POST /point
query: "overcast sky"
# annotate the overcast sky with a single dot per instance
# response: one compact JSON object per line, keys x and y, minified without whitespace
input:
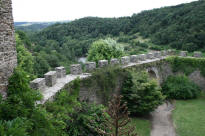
{"x":58,"y":10}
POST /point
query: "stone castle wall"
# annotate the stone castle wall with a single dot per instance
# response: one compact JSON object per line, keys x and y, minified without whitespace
{"x":8,"y":56}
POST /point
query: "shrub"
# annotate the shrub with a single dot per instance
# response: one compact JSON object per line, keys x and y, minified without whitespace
{"x":180,"y":87}
{"x":74,"y":118}
{"x":16,"y":127}
{"x":21,"y":103}
{"x":21,"y":98}
{"x":141,"y":94}
{"x":105,"y":49}
{"x":84,"y":120}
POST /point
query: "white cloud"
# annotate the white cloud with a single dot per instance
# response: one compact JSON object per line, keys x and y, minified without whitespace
{"x":54,"y":10}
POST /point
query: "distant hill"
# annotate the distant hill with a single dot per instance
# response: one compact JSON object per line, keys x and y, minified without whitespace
{"x":180,"y":27}
{"x":34,"y":26}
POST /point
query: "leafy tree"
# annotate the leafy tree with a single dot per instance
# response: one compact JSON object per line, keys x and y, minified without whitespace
{"x":104,"y":49}
{"x":141,"y":93}
{"x":180,"y":87}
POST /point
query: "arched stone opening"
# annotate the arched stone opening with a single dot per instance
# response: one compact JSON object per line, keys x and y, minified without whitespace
{"x":153,"y":74}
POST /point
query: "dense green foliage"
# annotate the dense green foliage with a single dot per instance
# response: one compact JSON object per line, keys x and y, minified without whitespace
{"x":187,"y":65}
{"x":24,"y":57}
{"x":20,"y":108}
{"x":181,"y":27}
{"x":180,"y":87}
{"x":141,"y":93}
{"x":105,"y":49}
{"x":16,"y":127}
{"x":75,"y":118}
{"x":37,"y":60}
{"x":65,"y":116}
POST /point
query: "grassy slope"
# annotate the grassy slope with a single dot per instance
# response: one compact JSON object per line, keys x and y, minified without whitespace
{"x":143,"y":126}
{"x":189,"y":117}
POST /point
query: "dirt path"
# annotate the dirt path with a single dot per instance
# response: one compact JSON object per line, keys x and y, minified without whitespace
{"x":162,"y":124}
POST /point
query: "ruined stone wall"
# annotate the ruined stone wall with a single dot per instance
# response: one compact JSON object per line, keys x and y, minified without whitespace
{"x":90,"y":90}
{"x":8,"y":56}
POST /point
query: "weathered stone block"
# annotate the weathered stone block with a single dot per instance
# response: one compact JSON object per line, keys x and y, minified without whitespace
{"x":89,"y":66}
{"x":61,"y":72}
{"x":125,"y":60}
{"x":150,"y":56}
{"x":164,"y":53}
{"x":134,"y":58}
{"x":114,"y":62}
{"x":142,"y":57}
{"x":51,"y":78}
{"x":171,"y":52}
{"x":38,"y":84}
{"x":102,"y":63}
{"x":76,"y":69}
{"x":183,"y":53}
{"x":157,"y":54}
{"x":197,"y":54}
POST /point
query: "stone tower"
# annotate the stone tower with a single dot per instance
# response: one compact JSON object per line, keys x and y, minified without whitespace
{"x":8,"y":55}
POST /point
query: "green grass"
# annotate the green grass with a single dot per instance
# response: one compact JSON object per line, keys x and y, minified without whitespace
{"x":143,"y":126}
{"x":189,"y":117}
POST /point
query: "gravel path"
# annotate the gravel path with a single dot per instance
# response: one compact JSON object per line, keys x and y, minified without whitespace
{"x":162,"y":124}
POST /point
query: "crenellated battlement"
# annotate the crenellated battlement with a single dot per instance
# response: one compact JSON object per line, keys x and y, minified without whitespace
{"x":52,"y":83}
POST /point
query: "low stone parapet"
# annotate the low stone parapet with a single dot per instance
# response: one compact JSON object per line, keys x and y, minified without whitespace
{"x":134,"y":58}
{"x":61,"y":72}
{"x":75,"y":69}
{"x":51,"y":78}
{"x":183,"y":53}
{"x":197,"y":54}
{"x":102,"y":63}
{"x":90,"y":66}
{"x":38,"y":84}
{"x":150,"y":56}
{"x":125,"y":60}
{"x":114,"y":62}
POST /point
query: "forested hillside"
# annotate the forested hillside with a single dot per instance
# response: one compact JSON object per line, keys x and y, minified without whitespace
{"x":181,"y":27}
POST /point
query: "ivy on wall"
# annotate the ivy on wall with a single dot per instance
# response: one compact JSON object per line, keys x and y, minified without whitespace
{"x":187,"y":65}
{"x":107,"y":79}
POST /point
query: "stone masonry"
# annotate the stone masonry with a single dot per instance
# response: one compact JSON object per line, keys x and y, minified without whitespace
{"x":90,"y":66}
{"x":38,"y":84}
{"x":75,"y":69}
{"x":114,"y":61}
{"x":8,"y":56}
{"x":61,"y":72}
{"x":51,"y":78}
{"x":102,"y":63}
